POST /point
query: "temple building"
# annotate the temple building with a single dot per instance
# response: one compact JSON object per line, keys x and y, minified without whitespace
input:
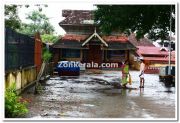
{"x":154,"y":57}
{"x":84,"y":41}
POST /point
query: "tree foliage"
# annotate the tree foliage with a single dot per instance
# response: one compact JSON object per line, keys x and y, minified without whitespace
{"x":142,"y":19}
{"x":49,"y":38}
{"x":46,"y":55}
{"x":11,"y":17}
{"x":47,"y":28}
{"x":39,"y":23}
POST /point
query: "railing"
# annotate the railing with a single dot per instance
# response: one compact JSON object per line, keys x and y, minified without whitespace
{"x":152,"y":70}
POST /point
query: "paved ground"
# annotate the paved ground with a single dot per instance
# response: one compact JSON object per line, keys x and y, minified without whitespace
{"x":93,"y":96}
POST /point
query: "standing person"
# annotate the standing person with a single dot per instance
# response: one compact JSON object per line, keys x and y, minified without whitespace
{"x":141,"y":75}
{"x":125,"y":73}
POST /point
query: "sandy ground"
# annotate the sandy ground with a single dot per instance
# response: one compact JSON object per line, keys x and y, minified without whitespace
{"x":93,"y":96}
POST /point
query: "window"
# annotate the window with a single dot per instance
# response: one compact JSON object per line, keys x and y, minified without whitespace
{"x":116,"y":54}
{"x":70,"y":53}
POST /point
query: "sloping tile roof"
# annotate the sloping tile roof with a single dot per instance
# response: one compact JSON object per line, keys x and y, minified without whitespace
{"x":141,"y":42}
{"x":159,"y":59}
{"x":68,"y":45}
{"x":115,"y":38}
{"x":73,"y":37}
{"x":154,"y":54}
{"x":76,"y":17}
{"x":114,"y":45}
{"x":148,"y":50}
{"x":76,"y":41}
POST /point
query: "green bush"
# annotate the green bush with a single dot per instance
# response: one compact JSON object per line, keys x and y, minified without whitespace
{"x":15,"y":106}
{"x":46,"y":55}
{"x":49,"y":38}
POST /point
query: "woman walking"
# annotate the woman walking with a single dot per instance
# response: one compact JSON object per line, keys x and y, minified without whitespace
{"x":125,"y":73}
{"x":141,"y":75}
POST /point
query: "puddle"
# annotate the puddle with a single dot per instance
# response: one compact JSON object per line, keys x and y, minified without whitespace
{"x":88,"y":105}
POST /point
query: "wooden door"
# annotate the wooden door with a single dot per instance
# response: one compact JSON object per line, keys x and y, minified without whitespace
{"x":95,"y":54}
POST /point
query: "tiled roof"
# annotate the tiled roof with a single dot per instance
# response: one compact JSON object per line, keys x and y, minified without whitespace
{"x":148,"y":50}
{"x":160,"y":59}
{"x":76,"y":17}
{"x":141,"y":42}
{"x":154,"y":54}
{"x":115,"y":38}
{"x":69,"y":45}
{"x":114,"y":45}
{"x":73,"y":37}
{"x":75,"y":41}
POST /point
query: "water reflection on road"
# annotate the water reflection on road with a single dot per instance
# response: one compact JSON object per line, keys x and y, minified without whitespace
{"x":93,"y":96}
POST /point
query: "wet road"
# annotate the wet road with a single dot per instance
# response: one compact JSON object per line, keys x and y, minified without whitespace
{"x":93,"y":96}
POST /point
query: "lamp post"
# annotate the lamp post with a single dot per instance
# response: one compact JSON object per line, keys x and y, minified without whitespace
{"x":169,"y":67}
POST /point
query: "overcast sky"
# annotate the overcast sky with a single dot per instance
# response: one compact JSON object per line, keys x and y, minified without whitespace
{"x":54,"y":12}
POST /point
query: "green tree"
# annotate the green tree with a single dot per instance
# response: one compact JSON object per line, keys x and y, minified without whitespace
{"x":142,"y":19}
{"x":11,"y":17}
{"x":47,"y":28}
{"x":49,"y":38}
{"x":39,"y":23}
{"x":26,"y":29}
{"x":36,"y":19}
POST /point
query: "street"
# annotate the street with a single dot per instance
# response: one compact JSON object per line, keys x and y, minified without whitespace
{"x":92,"y":95}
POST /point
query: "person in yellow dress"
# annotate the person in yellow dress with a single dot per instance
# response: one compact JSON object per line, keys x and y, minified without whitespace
{"x":125,"y":73}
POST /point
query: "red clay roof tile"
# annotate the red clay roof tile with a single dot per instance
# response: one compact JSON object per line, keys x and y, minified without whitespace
{"x":76,"y":17}
{"x":148,"y":50}
{"x":141,"y":42}
{"x":73,"y":37}
{"x":154,"y":54}
{"x":160,"y":59}
{"x":115,"y":38}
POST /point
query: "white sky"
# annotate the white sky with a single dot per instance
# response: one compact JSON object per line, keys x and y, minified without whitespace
{"x":54,"y":12}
